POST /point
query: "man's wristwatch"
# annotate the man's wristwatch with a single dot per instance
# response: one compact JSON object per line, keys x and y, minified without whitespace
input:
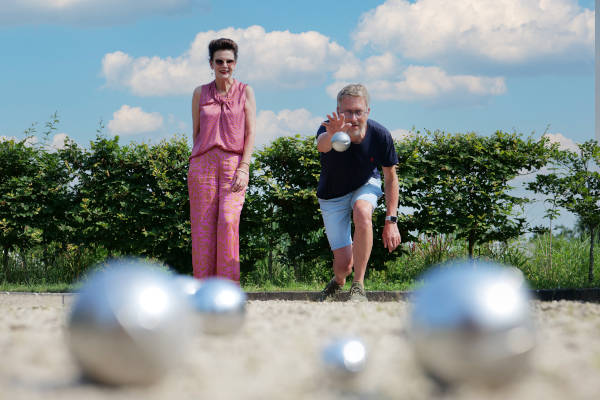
{"x":392,"y":218}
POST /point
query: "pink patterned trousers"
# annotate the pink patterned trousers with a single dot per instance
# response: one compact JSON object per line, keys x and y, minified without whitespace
{"x":215,"y":214}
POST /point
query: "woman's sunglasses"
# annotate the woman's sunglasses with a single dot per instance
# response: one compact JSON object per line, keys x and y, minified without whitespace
{"x":218,"y":61}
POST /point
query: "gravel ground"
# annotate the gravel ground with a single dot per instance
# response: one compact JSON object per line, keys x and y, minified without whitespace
{"x":277,"y":355}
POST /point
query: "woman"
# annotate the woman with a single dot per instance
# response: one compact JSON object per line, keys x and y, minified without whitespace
{"x":224,"y":120}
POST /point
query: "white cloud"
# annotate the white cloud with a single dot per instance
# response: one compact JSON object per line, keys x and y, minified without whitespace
{"x":564,"y":142}
{"x":288,"y":60}
{"x":271,"y":125}
{"x":83,"y":12}
{"x":509,"y":32}
{"x":379,"y":66}
{"x":349,"y":71}
{"x":58,"y":141}
{"x":151,"y":76}
{"x":277,"y":58}
{"x":417,"y":83}
{"x":131,"y":120}
{"x":29,"y":141}
{"x":401,"y":134}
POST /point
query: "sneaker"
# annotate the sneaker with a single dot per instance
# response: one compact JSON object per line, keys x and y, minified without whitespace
{"x":357,"y":292}
{"x":330,"y":291}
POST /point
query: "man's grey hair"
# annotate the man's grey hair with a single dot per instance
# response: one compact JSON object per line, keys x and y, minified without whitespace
{"x":356,"y":90}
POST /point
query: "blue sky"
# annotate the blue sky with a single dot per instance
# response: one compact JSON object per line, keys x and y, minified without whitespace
{"x":461,"y":65}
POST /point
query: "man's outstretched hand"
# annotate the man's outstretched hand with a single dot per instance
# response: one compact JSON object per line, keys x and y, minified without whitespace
{"x":391,"y":236}
{"x":336,"y":123}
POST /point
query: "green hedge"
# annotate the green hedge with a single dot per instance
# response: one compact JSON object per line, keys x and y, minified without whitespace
{"x":111,"y":199}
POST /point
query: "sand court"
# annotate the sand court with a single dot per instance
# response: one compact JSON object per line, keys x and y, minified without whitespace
{"x":277,"y":355}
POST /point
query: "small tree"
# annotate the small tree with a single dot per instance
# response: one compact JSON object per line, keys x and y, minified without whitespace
{"x":553,"y":212}
{"x":577,"y":188}
{"x":460,"y":183}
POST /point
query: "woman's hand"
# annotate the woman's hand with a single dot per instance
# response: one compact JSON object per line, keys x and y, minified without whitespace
{"x":240,"y":180}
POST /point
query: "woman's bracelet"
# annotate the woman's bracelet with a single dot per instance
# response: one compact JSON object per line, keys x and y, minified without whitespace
{"x":244,"y":162}
{"x":242,"y":170}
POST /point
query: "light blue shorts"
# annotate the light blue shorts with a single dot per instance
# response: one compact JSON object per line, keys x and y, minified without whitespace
{"x":337,"y":212}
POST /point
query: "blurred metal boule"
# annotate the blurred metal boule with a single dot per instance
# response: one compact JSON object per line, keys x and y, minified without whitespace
{"x":340,"y":141}
{"x":188,"y":284}
{"x":220,"y":305}
{"x":129,"y":324}
{"x":471,"y":322}
{"x":344,"y":358}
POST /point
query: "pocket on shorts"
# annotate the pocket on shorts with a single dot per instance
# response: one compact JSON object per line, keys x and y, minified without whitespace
{"x":376,"y":183}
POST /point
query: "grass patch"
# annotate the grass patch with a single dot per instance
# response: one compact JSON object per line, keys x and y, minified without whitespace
{"x":38,"y":288}
{"x":290,"y":287}
{"x":564,"y":265}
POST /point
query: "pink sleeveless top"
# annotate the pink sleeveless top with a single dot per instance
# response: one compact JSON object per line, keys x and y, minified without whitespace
{"x":222,"y":119}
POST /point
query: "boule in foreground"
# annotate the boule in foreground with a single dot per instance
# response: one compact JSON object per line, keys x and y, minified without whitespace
{"x":471,"y":322}
{"x":129,"y":324}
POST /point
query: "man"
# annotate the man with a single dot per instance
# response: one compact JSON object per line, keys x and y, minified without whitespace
{"x":350,"y":185}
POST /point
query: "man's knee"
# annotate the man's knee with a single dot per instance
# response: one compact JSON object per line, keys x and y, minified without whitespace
{"x":362,"y":215}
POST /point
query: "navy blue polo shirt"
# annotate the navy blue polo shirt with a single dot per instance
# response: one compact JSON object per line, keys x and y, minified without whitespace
{"x":346,"y":171}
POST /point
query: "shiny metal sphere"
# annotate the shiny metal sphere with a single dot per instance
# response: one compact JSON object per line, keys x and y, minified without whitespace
{"x":344,"y":358}
{"x":471,"y":322}
{"x":220,"y":305}
{"x":340,"y":141}
{"x":188,"y":284}
{"x":129,"y":324}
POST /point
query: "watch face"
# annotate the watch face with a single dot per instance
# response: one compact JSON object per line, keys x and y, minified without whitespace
{"x":391,"y":218}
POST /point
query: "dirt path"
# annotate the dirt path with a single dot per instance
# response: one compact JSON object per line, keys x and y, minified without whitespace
{"x":277,"y":355}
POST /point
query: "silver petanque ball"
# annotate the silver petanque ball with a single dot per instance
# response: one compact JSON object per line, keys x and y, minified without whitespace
{"x":220,"y":305}
{"x":340,"y":141}
{"x":471,"y":322}
{"x":344,"y":358}
{"x":129,"y":324}
{"x":188,"y":284}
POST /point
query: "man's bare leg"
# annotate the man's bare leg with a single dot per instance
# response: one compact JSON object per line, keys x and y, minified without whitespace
{"x":362,"y":214}
{"x":342,"y":264}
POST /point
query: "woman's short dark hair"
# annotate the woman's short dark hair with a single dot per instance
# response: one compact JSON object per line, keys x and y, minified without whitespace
{"x":222,"y":44}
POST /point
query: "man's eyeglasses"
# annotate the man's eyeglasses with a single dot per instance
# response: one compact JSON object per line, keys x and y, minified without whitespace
{"x":218,"y":61}
{"x":358,"y":113}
